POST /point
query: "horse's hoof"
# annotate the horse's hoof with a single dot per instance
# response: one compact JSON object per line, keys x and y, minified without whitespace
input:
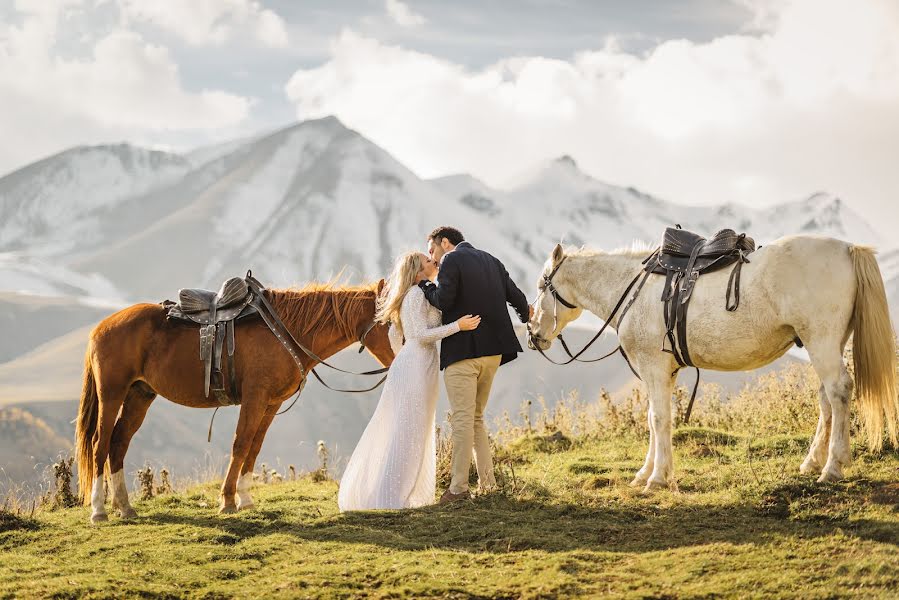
{"x":654,"y":485}
{"x":637,"y":482}
{"x":228,"y":509}
{"x":250,"y":506}
{"x":829,"y":477}
{"x":808,"y":467}
{"x":99,"y":518}
{"x":128,"y":513}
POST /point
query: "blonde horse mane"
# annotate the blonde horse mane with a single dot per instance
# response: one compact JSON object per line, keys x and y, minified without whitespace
{"x":317,"y":304}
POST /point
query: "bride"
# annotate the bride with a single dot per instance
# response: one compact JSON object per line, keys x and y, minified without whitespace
{"x":394,"y":464}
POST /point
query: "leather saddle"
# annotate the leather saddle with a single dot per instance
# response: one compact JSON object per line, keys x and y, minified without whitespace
{"x":682,"y":258}
{"x":679,"y":246}
{"x":216,"y":313}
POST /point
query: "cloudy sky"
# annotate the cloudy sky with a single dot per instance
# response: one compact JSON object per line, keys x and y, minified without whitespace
{"x":696,"y":101}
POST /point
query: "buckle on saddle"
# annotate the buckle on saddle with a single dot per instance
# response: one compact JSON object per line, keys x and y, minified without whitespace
{"x":688,"y":281}
{"x":686,"y":287}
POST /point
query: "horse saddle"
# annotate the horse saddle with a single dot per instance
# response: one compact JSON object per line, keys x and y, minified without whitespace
{"x":216,"y":313}
{"x":682,"y":258}
{"x":685,"y":251}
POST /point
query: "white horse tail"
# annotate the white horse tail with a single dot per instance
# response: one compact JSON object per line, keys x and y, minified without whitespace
{"x":874,"y":350}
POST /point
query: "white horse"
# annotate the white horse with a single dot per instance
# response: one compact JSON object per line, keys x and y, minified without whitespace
{"x":818,"y":290}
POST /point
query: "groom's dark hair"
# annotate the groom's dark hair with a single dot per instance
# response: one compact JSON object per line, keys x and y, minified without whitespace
{"x":451,"y":234}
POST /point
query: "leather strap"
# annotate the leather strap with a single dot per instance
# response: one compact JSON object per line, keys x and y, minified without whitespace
{"x":602,"y":329}
{"x":692,"y":398}
{"x":680,"y":319}
{"x":207,"y":343}
{"x":232,"y":376}
{"x":733,"y":283}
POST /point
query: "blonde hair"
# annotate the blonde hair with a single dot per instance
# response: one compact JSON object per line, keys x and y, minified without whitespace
{"x":402,"y":278}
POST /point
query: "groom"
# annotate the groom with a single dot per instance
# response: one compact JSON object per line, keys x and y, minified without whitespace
{"x":472,"y":282}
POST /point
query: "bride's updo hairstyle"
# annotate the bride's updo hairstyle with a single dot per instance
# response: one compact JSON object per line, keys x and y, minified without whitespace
{"x":401,"y":280}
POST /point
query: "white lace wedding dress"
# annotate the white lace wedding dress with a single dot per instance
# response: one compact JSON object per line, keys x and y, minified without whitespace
{"x":394,"y":464}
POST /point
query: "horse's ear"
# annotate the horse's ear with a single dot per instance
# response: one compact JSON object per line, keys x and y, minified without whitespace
{"x":558,"y":255}
{"x":380,"y":288}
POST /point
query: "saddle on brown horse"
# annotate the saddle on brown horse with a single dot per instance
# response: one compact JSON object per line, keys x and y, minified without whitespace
{"x":682,"y":258}
{"x":216,"y":314}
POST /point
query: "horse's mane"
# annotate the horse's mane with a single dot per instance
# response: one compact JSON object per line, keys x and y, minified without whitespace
{"x":307,"y":308}
{"x":638,"y":249}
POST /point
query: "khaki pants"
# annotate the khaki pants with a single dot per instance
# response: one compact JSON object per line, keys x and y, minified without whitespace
{"x":468,"y":384}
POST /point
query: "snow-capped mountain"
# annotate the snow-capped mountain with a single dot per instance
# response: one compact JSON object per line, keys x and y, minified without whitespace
{"x":48,"y":207}
{"x":305,"y":202}
{"x":559,"y":202}
{"x":315,"y":199}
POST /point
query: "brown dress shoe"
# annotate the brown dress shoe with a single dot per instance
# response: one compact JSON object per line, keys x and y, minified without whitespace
{"x":448,"y":497}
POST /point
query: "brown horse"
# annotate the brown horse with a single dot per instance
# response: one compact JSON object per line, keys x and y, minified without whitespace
{"x":137,"y":353}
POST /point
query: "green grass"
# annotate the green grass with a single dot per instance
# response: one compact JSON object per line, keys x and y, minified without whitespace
{"x":743,"y":524}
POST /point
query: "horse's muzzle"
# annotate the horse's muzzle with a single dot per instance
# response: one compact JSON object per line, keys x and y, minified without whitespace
{"x":538,"y":343}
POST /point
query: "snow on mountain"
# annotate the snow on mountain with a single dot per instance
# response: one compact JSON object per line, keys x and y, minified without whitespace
{"x":559,"y":202}
{"x":204,"y":154}
{"x":469,"y":191}
{"x":302,"y":203}
{"x":820,"y":214}
{"x":48,"y":206}
{"x":27,"y":274}
{"x":316,"y":198}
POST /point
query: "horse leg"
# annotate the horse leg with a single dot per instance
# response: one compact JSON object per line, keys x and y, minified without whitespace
{"x":137,"y":402}
{"x":660,"y":384}
{"x":646,"y":470}
{"x":111,"y":397}
{"x":252,"y":412}
{"x":244,"y":500}
{"x":828,"y":363}
{"x":817,"y":453}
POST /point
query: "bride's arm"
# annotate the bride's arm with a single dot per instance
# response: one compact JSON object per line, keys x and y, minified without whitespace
{"x":396,"y":339}
{"x":415,"y":320}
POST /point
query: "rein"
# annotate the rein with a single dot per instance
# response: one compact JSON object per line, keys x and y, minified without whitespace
{"x":558,"y":299}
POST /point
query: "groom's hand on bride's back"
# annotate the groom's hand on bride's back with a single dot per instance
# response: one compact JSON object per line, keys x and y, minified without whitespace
{"x":468,"y":322}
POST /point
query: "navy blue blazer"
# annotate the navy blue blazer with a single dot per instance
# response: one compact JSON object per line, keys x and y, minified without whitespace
{"x":473,"y":282}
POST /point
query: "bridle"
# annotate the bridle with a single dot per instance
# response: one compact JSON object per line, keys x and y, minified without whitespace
{"x":558,"y":299}
{"x":365,"y":333}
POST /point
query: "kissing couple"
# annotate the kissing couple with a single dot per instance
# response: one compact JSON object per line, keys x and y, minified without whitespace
{"x":395,"y":463}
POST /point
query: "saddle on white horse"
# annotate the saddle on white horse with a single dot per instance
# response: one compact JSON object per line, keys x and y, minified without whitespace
{"x":682,"y":258}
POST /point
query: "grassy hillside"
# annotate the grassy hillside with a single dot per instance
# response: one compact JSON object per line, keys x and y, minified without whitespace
{"x":565,"y":524}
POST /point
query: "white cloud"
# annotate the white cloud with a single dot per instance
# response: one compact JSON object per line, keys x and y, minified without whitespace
{"x":402,"y":15}
{"x":810,"y":102}
{"x":122,"y":88}
{"x":210,"y":22}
